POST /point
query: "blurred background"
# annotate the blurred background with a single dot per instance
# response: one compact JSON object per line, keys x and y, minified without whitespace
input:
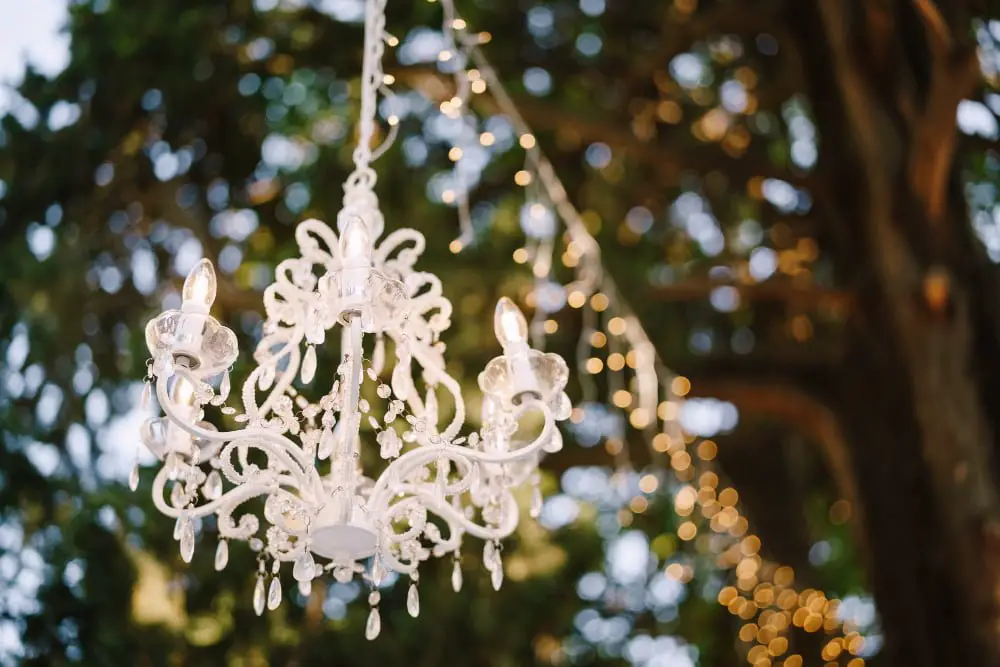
{"x":797,"y":201}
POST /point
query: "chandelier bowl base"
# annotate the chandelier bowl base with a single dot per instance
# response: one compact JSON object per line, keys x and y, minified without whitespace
{"x":343,"y":542}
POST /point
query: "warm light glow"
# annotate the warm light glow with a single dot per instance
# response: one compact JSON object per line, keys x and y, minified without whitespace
{"x":520,"y":255}
{"x":707,"y":451}
{"x":616,"y":326}
{"x":594,"y":365}
{"x":355,"y":241}
{"x":598,"y":339}
{"x":487,"y":139}
{"x":616,"y":361}
{"x":680,"y":386}
{"x":527,"y":141}
{"x":183,"y":391}
{"x":200,"y":285}
{"x":509,"y":324}
{"x":550,"y":326}
{"x":599,"y":302}
{"x":687,"y":531}
{"x":622,"y":398}
{"x":455,"y":246}
{"x":522,"y":178}
{"x":648,"y":483}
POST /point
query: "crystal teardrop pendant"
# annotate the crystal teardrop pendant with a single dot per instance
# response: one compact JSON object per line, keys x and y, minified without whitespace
{"x":133,"y":476}
{"x":305,"y":588}
{"x":374,"y":625}
{"x":378,"y":354}
{"x":258,"y":596}
{"x":304,"y":568}
{"x":224,"y":387}
{"x":536,"y":502}
{"x":177,"y":498}
{"x":213,"y":486}
{"x":456,"y":577}
{"x":413,"y":601}
{"x":187,"y":541}
{"x":326,"y":443}
{"x":147,"y":392}
{"x":274,"y":594}
{"x":496,"y":576}
{"x":378,"y":572}
{"x":490,"y":556}
{"x":178,"y":526}
{"x":221,"y":555}
{"x":266,"y":377}
{"x":309,"y":364}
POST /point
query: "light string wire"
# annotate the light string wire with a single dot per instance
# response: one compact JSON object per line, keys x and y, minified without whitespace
{"x":764,"y":592}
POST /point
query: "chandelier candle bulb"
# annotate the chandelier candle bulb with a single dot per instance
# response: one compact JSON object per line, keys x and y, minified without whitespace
{"x":511,"y":330}
{"x":200,"y":287}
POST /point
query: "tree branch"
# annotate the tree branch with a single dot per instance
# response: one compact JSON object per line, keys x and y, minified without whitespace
{"x":954,"y":73}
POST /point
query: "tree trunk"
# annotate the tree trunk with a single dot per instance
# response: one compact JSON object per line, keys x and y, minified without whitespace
{"x":886,"y":80}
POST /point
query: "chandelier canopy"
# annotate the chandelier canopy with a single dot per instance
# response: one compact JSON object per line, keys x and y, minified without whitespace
{"x":366,"y":475}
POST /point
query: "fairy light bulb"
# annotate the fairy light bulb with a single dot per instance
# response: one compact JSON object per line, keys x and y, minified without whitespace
{"x":355,"y":242}
{"x":509,"y":325}
{"x":199,"y":288}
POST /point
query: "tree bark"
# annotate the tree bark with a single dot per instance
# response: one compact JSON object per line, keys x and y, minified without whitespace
{"x":885,"y":83}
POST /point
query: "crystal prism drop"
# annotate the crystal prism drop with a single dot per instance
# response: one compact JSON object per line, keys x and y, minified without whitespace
{"x":456,"y":577}
{"x":177,"y":495}
{"x":413,"y":601}
{"x":309,"y":364}
{"x":378,"y":572}
{"x":133,"y":476}
{"x":496,"y":576}
{"x":378,"y":354}
{"x":178,"y":527}
{"x":489,"y":555}
{"x":147,"y":392}
{"x":221,"y":555}
{"x":326,"y":443}
{"x":305,"y":588}
{"x":536,"y":503}
{"x":258,"y":596}
{"x":274,"y":594}
{"x":304,"y":568}
{"x":187,"y":541}
{"x":213,"y":485}
{"x":224,"y":387}
{"x":266,"y":377}
{"x":374,"y":625}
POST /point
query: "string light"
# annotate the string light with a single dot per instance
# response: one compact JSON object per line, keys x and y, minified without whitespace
{"x":764,"y":590}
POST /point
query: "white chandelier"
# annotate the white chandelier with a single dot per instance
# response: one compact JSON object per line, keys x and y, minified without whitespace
{"x":364,"y":479}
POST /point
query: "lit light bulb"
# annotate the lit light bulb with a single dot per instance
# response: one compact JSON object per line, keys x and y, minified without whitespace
{"x":355,"y":241}
{"x":199,"y":287}
{"x":183,"y":391}
{"x":509,"y":324}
